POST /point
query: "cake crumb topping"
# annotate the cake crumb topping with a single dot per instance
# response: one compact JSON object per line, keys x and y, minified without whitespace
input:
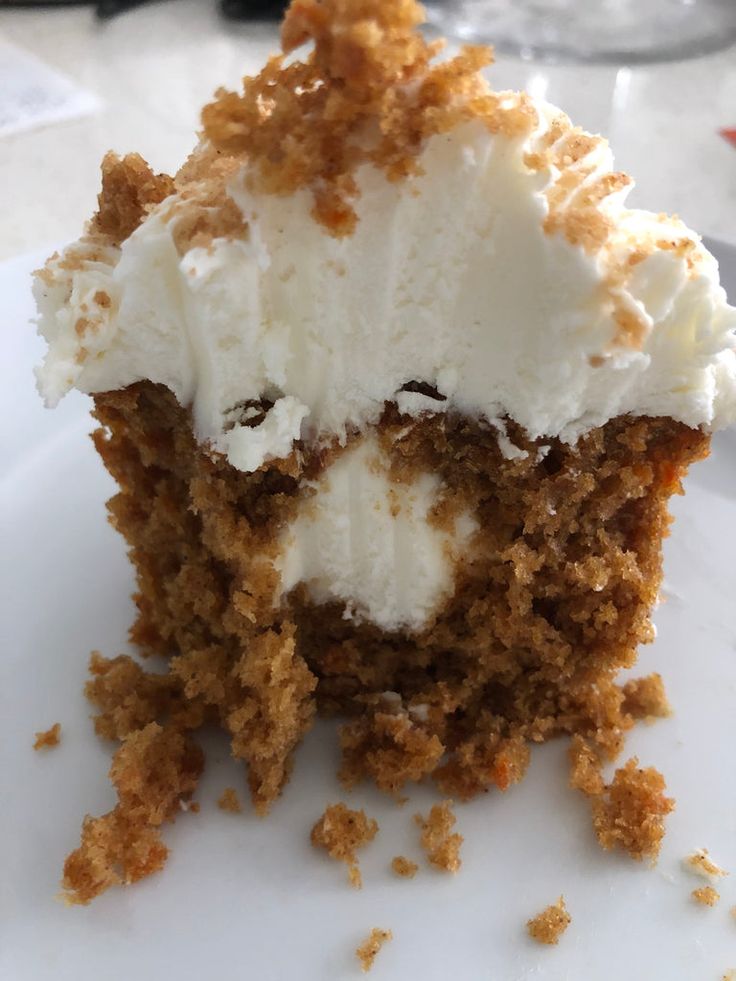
{"x":48,"y":738}
{"x":229,"y":801}
{"x":341,"y":832}
{"x":404,"y":867}
{"x":437,"y":839}
{"x":366,"y":93}
{"x":705,"y":896}
{"x":366,"y":952}
{"x":129,"y":190}
{"x":549,"y":925}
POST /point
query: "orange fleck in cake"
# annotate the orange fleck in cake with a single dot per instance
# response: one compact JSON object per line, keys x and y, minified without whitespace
{"x":395,"y":389}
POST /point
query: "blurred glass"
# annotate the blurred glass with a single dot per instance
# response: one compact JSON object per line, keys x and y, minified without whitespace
{"x":591,"y":30}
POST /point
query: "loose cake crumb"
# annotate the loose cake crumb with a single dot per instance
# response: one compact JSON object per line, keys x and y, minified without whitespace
{"x":229,"y":801}
{"x":550,"y":924}
{"x":629,"y":812}
{"x":645,"y":698}
{"x":341,"y":831}
{"x":367,"y":951}
{"x":706,"y":896}
{"x":729,"y":975}
{"x":154,"y":769}
{"x":404,"y":867}
{"x":700,"y":863}
{"x":48,"y":738}
{"x":442,"y":847}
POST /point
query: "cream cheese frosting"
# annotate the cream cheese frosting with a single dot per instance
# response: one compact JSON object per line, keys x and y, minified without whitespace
{"x":367,"y":542}
{"x":452,"y":278}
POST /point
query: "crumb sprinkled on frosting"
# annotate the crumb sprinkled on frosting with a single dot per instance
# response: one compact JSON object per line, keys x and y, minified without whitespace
{"x":368,"y":92}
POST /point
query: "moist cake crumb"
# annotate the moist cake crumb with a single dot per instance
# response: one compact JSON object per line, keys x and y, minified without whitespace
{"x":153,"y":770}
{"x":341,"y":832}
{"x":129,"y":190}
{"x":645,"y":698}
{"x":700,"y":863}
{"x":390,"y":748}
{"x":549,"y":925}
{"x":48,"y":738}
{"x":404,"y":867}
{"x":705,"y":896}
{"x":229,"y":801}
{"x":442,"y":846}
{"x":629,"y":812}
{"x":366,"y":952}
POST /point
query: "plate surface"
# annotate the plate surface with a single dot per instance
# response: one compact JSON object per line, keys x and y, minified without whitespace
{"x":243,"y":898}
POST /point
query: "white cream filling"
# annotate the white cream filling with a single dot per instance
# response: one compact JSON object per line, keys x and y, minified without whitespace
{"x":363,"y":540}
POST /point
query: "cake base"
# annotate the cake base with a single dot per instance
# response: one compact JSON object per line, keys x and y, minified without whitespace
{"x":553,"y":604}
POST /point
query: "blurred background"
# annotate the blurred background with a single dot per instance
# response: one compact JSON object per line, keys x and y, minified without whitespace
{"x":658,"y":77}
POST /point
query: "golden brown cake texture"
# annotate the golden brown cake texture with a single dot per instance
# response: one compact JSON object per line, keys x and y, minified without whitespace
{"x":404,"y":867}
{"x":439,"y":841}
{"x":367,"y":951}
{"x":48,"y":738}
{"x":629,"y":812}
{"x":549,"y":925}
{"x":705,"y":896}
{"x":341,"y":831}
{"x":557,"y":596}
{"x":526,"y":649}
{"x":229,"y":801}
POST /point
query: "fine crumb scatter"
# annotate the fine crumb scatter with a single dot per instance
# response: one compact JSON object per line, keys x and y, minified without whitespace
{"x":550,"y":924}
{"x":404,"y":867}
{"x":229,"y":801}
{"x":367,"y":951}
{"x":442,"y":846}
{"x":706,"y":896}
{"x":48,"y":738}
{"x":341,"y":832}
{"x":700,"y":863}
{"x":645,"y":698}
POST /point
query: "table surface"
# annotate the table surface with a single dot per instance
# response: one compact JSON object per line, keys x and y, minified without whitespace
{"x":154,"y":67}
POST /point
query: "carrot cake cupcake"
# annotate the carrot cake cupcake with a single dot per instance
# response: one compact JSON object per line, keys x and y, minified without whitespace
{"x":395,"y":389}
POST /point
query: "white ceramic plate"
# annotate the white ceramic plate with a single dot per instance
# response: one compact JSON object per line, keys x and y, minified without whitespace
{"x":243,"y":898}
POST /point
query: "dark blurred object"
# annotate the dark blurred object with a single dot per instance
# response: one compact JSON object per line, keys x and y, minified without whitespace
{"x":253,"y":9}
{"x":108,"y":8}
{"x":232,"y":9}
